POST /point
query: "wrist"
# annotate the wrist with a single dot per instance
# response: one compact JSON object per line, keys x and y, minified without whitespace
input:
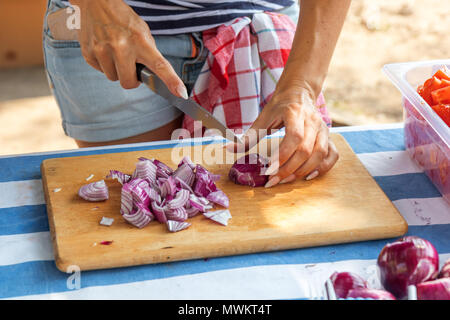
{"x":297,"y":91}
{"x":297,"y":77}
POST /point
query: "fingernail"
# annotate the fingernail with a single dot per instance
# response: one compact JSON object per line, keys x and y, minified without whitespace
{"x":182,"y":92}
{"x":273,"y":168}
{"x":312,"y":175}
{"x":273,"y":181}
{"x":288,"y":179}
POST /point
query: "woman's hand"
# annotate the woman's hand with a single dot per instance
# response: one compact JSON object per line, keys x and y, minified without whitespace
{"x":114,"y":38}
{"x":305,"y":151}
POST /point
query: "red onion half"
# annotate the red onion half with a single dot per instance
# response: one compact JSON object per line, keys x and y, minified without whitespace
{"x":249,"y":170}
{"x":407,"y":261}
{"x":370,"y":293}
{"x":343,"y":282}
{"x":434,"y":290}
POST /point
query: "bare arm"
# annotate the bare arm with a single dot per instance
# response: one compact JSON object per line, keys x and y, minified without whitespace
{"x":305,"y":151}
{"x":318,"y":30}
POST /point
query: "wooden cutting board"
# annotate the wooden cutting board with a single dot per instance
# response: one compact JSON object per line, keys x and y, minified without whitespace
{"x":346,"y":205}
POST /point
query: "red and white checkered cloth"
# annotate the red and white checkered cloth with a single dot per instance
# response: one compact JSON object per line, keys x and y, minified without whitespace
{"x":245,"y":60}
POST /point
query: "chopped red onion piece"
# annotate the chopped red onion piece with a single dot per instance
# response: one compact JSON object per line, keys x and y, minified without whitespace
{"x":168,"y":187}
{"x":163,"y":170}
{"x":140,"y":190}
{"x":175,"y":226}
{"x":106,"y":243}
{"x":140,"y":216}
{"x":343,"y":282}
{"x":119,"y":176}
{"x":184,"y":185}
{"x":220,"y":216}
{"x":146,"y":170}
{"x":106,"y":221}
{"x":154,"y":195}
{"x":192,"y":212}
{"x":434,"y":290}
{"x":126,"y":202}
{"x":159,"y":213}
{"x":178,"y":214}
{"x":185,"y":173}
{"x":219,"y":197}
{"x":204,"y":201}
{"x":370,"y":293}
{"x":95,"y":191}
{"x":163,"y":167}
{"x":249,"y":170}
{"x":204,"y":185}
{"x":196,"y":202}
{"x":188,"y":161}
{"x":180,"y":199}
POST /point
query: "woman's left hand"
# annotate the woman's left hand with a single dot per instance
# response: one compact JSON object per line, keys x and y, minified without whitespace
{"x":305,"y":152}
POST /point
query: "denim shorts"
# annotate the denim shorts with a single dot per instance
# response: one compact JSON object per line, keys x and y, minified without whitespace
{"x":95,"y":109}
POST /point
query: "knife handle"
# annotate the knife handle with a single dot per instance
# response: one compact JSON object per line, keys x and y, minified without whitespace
{"x":143,"y":73}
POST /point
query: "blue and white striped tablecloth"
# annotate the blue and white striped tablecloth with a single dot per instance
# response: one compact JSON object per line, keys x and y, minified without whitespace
{"x":27,"y":269}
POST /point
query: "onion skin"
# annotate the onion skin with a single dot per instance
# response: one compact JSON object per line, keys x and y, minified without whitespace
{"x":343,"y":282}
{"x":407,"y":261}
{"x":249,"y":170}
{"x":434,"y":290}
{"x":445,"y":271}
{"x":370,"y":293}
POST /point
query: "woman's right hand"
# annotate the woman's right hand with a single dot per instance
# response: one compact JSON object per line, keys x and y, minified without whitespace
{"x":114,"y":38}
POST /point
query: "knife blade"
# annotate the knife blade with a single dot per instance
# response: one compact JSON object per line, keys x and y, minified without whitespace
{"x":189,"y":107}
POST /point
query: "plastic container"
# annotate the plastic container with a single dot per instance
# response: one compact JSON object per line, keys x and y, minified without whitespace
{"x":427,"y":137}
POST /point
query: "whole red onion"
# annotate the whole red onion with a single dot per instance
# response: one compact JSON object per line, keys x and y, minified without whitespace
{"x":343,"y":282}
{"x":445,"y":271}
{"x":249,"y":170}
{"x":370,"y":293}
{"x":407,"y":261}
{"x":434,"y":290}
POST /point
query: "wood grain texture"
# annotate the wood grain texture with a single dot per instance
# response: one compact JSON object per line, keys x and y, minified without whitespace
{"x":346,"y":205}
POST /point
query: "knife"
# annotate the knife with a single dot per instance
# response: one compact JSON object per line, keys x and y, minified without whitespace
{"x":189,"y":107}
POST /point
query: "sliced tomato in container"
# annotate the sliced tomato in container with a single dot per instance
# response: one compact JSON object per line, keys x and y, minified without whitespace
{"x":428,"y":89}
{"x":443,"y":111}
{"x":426,"y":126}
{"x":443,"y":73}
{"x":441,"y":96}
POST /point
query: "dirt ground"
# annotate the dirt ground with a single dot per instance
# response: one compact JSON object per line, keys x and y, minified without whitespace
{"x":376,"y":32}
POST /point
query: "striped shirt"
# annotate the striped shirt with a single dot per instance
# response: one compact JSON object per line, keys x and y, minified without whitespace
{"x":185,"y":16}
